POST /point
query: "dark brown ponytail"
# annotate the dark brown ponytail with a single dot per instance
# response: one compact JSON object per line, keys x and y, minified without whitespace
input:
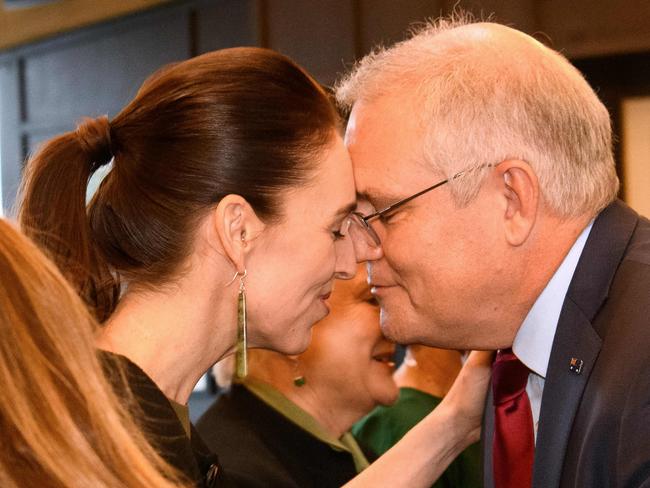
{"x":246,"y":121}
{"x":53,"y":209}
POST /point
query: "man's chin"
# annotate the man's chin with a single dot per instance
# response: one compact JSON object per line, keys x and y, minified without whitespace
{"x":399,"y":330}
{"x":398,"y":333}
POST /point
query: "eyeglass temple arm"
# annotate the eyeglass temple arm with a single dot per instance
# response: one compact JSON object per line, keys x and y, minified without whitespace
{"x":374,"y":215}
{"x":402,"y":202}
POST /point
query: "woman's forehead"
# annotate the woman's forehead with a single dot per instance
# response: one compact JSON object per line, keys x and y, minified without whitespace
{"x":330,"y":193}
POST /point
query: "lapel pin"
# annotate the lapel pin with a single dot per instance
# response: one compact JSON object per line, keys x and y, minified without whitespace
{"x":575,"y":365}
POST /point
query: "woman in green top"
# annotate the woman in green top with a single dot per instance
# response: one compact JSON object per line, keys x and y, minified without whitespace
{"x":424,"y":378}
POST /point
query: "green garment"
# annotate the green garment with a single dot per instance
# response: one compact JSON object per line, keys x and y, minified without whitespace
{"x":298,"y":416}
{"x":183,"y":413}
{"x":384,"y":426}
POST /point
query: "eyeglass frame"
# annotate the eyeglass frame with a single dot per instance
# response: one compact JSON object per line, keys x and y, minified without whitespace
{"x":363,"y":220}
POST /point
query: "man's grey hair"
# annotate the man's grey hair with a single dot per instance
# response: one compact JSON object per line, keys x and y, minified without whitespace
{"x":483,"y":98}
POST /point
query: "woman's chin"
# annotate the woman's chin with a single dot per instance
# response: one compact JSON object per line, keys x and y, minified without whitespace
{"x":389,"y":396}
{"x":299,"y":338}
{"x":294,"y":345}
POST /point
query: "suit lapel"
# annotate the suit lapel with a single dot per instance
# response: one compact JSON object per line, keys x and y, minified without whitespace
{"x":562,"y":392}
{"x":576,"y":338}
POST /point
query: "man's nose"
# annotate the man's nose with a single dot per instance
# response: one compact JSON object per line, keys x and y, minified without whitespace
{"x":364,"y":251}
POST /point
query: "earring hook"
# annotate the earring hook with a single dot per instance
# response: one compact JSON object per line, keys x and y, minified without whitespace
{"x":237,"y":273}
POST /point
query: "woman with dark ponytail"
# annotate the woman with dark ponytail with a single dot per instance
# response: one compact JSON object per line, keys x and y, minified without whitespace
{"x":221,"y":225}
{"x":53,"y":210}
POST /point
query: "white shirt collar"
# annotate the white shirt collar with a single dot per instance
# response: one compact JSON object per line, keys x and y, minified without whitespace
{"x":534,"y":340}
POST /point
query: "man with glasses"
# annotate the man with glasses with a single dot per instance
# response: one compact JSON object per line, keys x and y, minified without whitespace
{"x":488,"y":214}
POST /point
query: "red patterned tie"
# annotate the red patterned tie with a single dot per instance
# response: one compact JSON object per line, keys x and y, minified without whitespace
{"x":513,"y":448}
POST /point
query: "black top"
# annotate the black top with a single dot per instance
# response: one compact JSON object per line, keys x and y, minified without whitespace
{"x":259,"y":447}
{"x":162,"y":426}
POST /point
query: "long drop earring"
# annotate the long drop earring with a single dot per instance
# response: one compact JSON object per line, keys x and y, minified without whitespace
{"x":241,"y":359}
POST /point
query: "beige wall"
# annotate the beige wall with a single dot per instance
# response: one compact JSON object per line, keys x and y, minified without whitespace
{"x":636,"y":153}
{"x":31,"y":24}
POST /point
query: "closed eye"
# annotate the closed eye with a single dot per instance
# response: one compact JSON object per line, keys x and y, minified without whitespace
{"x":388,"y":216}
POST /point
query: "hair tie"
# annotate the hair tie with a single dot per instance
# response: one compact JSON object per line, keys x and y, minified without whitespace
{"x":94,"y":136}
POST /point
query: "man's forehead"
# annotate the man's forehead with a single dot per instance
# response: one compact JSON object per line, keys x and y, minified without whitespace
{"x":379,"y":187}
{"x":385,"y":144}
{"x":376,"y":113}
{"x":380,"y":129}
{"x":377,"y":168}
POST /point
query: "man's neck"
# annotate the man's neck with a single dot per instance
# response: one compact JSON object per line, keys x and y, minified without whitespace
{"x":553,"y":240}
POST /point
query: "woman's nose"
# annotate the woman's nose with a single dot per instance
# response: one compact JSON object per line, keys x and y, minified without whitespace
{"x":346,"y":262}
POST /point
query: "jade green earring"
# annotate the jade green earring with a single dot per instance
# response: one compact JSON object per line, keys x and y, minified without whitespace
{"x":241,"y":360}
{"x":299,"y":379}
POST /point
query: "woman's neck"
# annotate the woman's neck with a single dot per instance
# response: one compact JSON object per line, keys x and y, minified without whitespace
{"x":333,"y":414}
{"x":174,"y":335}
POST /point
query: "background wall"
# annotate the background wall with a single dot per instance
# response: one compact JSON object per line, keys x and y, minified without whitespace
{"x":65,"y":60}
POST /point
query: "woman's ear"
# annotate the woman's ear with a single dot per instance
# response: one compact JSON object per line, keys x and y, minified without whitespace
{"x":237,"y":225}
{"x":520,"y":188}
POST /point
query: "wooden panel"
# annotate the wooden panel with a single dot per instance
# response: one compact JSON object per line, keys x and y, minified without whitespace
{"x":386,"y":21}
{"x":318,"y":35}
{"x":32,"y":24}
{"x":100,"y":75}
{"x":10,"y":143}
{"x":519,"y":14}
{"x":227,"y":23}
{"x":588,"y":28}
{"x":580,"y":28}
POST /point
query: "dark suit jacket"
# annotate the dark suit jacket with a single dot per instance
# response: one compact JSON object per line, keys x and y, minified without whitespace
{"x":259,"y":447}
{"x":594,"y":427}
{"x":161,"y":425}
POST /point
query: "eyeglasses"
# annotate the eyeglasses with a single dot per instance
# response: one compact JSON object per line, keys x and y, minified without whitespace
{"x":358,"y":225}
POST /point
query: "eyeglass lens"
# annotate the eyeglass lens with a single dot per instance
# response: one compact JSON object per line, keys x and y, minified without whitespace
{"x":361,"y":230}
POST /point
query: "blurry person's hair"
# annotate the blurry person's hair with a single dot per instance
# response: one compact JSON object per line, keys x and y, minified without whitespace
{"x":481,"y":99}
{"x":60,"y":421}
{"x":244,"y":121}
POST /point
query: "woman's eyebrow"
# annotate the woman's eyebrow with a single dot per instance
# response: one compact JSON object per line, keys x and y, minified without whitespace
{"x":343,"y":211}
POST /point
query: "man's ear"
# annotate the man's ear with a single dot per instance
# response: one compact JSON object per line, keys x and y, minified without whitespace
{"x":520,"y":188}
{"x":237,"y":225}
